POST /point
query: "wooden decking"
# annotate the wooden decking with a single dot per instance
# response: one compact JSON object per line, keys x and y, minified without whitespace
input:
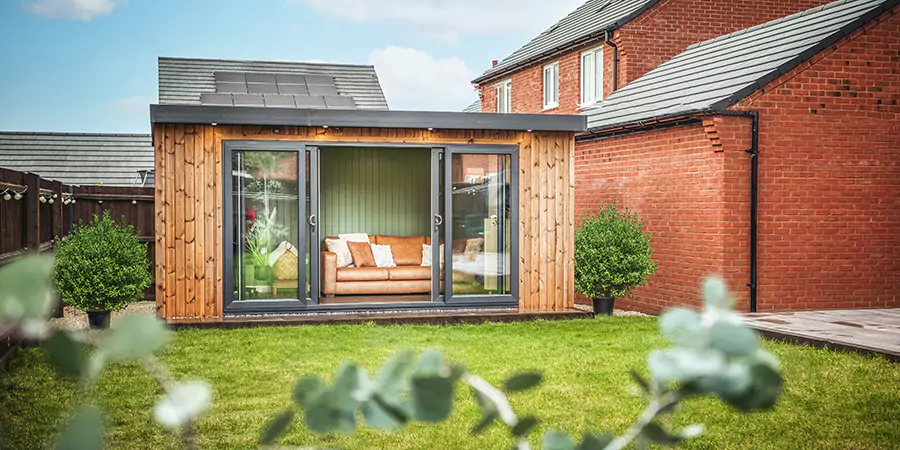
{"x":868,"y":331}
{"x":432,"y":317}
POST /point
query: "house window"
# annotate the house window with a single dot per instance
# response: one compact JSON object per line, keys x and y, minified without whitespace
{"x":504,"y":97}
{"x":551,"y":86}
{"x":591,"y":76}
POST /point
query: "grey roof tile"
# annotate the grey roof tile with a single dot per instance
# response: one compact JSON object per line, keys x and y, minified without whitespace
{"x":78,"y":158}
{"x":712,"y":75}
{"x":587,"y":21}
{"x":181,"y":80}
{"x":473,"y":107}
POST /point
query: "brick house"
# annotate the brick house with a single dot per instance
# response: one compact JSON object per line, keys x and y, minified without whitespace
{"x":770,"y":156}
{"x":605,"y":44}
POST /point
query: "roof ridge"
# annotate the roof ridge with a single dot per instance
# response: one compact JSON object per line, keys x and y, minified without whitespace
{"x":264,"y":61}
{"x":771,"y":23}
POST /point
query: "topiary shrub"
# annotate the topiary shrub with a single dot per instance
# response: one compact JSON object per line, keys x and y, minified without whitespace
{"x":612,"y":254}
{"x":101,"y":266}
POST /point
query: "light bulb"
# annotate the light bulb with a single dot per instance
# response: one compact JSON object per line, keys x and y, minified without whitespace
{"x":100,"y":201}
{"x":43,"y":199}
{"x":55,"y":196}
{"x":18,"y":196}
{"x":6,"y":196}
{"x":50,"y":201}
{"x":73,"y":201}
{"x":134,"y":202}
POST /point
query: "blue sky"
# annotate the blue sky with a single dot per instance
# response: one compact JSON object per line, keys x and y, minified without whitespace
{"x":90,"y":65}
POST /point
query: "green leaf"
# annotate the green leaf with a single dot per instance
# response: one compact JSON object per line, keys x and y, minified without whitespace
{"x":306,"y":388}
{"x":557,"y":440}
{"x":524,"y":426}
{"x":594,"y":442}
{"x":733,"y":339}
{"x":276,"y":427}
{"x":762,"y":393}
{"x":84,"y":431}
{"x":488,"y":409}
{"x":655,"y":433}
{"x":715,"y":294}
{"x":384,"y":414}
{"x":66,"y":354}
{"x":135,"y":337}
{"x":692,"y":431}
{"x":680,"y":364}
{"x":346,"y":387}
{"x":522,"y":381}
{"x":733,"y":379}
{"x":431,"y":363}
{"x":432,"y":398}
{"x":394,"y":374}
{"x":683,"y":327}
{"x":25,"y":288}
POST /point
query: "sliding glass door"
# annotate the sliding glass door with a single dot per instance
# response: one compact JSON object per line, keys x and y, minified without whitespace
{"x":480,"y":224}
{"x":269,"y":197}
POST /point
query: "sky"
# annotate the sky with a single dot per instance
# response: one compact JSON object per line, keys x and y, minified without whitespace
{"x":91,"y":65}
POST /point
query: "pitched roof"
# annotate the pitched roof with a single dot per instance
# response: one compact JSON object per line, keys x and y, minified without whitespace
{"x":182,"y":81}
{"x":715,"y":74}
{"x":586,"y":23}
{"x":78,"y":158}
{"x":475,"y":107}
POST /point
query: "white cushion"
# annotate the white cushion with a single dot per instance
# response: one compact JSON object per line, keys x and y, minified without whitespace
{"x":340,"y":248}
{"x":354,"y":237}
{"x":384,"y":257}
{"x":426,"y":255}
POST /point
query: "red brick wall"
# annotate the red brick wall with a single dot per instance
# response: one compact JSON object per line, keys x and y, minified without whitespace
{"x":689,"y":184}
{"x":667,"y":28}
{"x":830,"y":177}
{"x":656,"y":36}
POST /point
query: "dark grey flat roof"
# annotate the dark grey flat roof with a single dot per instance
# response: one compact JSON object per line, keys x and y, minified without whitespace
{"x":710,"y":76}
{"x":234,"y":115}
{"x":586,"y":23}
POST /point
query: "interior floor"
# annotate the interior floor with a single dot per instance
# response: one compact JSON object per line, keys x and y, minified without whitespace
{"x":342,"y":299}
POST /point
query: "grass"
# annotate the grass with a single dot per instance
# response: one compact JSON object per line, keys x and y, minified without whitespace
{"x":832,"y":400}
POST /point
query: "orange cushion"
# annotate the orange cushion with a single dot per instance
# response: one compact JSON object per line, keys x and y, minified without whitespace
{"x":407,"y":250}
{"x":410,"y":273}
{"x":362,"y":254}
{"x":362,"y":274}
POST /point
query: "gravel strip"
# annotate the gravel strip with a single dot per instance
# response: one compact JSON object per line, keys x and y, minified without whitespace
{"x":616,"y":312}
{"x":74,"y":319}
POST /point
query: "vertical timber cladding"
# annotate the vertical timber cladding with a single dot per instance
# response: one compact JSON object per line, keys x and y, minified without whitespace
{"x":189,"y":207}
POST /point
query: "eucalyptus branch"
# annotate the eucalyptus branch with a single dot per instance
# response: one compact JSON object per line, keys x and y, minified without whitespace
{"x":653,"y":410}
{"x":504,"y":409}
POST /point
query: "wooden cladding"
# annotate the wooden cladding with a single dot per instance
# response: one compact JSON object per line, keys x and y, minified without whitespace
{"x":189,"y":207}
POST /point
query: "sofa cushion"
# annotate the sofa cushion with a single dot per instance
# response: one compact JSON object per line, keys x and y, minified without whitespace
{"x":362,"y":274}
{"x":407,"y":250}
{"x":410,"y":273}
{"x":361,"y":252}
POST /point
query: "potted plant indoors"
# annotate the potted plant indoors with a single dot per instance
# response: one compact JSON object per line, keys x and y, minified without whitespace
{"x":612,"y":256}
{"x":100,"y":267}
{"x":263,"y":234}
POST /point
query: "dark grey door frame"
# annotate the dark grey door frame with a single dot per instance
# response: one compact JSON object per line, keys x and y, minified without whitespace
{"x":228,"y":237}
{"x":513,"y":152}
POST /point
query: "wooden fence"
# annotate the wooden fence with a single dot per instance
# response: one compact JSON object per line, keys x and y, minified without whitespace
{"x":38,"y":210}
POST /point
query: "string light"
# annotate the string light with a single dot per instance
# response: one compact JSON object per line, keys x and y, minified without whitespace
{"x":7,"y":195}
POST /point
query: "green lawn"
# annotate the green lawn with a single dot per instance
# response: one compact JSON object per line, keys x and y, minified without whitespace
{"x":832,"y":400}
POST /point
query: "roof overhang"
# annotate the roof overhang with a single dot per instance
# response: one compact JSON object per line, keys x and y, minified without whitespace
{"x":670,"y":120}
{"x":234,"y":115}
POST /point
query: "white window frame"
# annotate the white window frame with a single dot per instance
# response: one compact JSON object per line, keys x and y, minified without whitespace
{"x":591,"y":76}
{"x":504,"y":96}
{"x":551,"y":85}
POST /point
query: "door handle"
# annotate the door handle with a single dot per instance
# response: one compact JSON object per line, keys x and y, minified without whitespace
{"x":438,"y":221}
{"x":312,"y":221}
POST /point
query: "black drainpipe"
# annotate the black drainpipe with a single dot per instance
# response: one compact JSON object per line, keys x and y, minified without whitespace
{"x":754,"y":205}
{"x":615,"y":61}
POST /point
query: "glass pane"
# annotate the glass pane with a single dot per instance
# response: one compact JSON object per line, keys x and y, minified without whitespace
{"x":587,"y":75}
{"x":265,"y":204}
{"x":310,"y":239}
{"x":481,"y":224}
{"x":598,"y":75}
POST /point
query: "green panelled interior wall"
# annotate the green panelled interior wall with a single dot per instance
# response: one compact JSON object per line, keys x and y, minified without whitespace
{"x":382,"y":191}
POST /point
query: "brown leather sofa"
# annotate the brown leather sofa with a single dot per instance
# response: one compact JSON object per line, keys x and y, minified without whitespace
{"x":409,"y":277}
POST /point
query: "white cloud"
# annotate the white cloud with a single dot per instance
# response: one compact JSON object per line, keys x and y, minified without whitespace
{"x":446,"y":20}
{"x":416,"y":80}
{"x":136,"y":106}
{"x":83,"y":10}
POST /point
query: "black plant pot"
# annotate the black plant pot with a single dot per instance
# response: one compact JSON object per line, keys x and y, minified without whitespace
{"x":604,"y":305}
{"x":57,"y":308}
{"x":98,"y":320}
